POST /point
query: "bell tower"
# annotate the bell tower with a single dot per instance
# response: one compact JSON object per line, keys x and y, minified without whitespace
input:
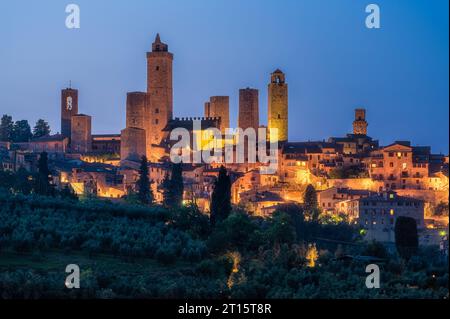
{"x":278,"y":105}
{"x":360,"y":124}
{"x":159,"y":91}
{"x":69,"y":108}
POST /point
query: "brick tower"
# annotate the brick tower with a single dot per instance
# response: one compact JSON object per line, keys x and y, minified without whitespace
{"x":69,"y":108}
{"x":137,"y":104}
{"x":248,"y":109}
{"x":278,"y":105}
{"x":360,"y":124}
{"x":219,"y":106}
{"x":159,"y":91}
{"x":81,"y":136}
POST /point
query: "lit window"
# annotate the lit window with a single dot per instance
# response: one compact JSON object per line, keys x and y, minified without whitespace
{"x":392,"y":212}
{"x":399,"y":154}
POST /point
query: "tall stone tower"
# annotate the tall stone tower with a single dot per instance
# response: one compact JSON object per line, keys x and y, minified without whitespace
{"x":69,"y":108}
{"x":132,"y":144}
{"x":219,"y":106}
{"x":159,"y":91}
{"x":360,"y":124}
{"x":248,"y":109}
{"x":278,"y":105}
{"x":207,"y":109}
{"x":137,"y":115}
{"x":133,"y":141}
{"x":81,"y":135}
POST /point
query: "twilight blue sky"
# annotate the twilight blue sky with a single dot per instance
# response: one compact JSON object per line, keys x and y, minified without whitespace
{"x":333,"y":63}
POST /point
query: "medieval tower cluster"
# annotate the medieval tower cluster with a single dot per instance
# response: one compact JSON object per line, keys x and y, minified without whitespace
{"x":149,"y":113}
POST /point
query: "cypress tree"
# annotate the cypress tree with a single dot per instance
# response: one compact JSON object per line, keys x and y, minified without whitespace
{"x":310,"y":203}
{"x":173,"y":187}
{"x":221,"y":198}
{"x":145,"y":194}
{"x":406,"y":237}
{"x":43,"y":186}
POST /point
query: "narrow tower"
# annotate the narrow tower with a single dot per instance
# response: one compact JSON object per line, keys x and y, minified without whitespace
{"x":159,"y":90}
{"x":248,"y":109}
{"x":81,"y":136}
{"x":69,"y":108}
{"x":278,"y":105}
{"x":219,"y":106}
{"x":360,"y":124}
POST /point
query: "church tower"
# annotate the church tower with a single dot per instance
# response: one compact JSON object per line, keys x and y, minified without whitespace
{"x":69,"y":108}
{"x":360,"y":124}
{"x":159,"y":91}
{"x":278,"y":105}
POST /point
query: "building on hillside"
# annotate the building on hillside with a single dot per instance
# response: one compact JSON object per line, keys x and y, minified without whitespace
{"x":330,"y":199}
{"x":106,"y":143}
{"x":378,"y":213}
{"x":55,"y":144}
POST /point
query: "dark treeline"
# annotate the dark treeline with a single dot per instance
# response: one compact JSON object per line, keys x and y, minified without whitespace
{"x":241,"y":256}
{"x":20,"y":131}
{"x":295,"y":253}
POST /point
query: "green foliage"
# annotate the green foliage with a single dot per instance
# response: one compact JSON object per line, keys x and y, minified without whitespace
{"x":7,"y":179}
{"x":281,"y":229}
{"x":67,"y":193}
{"x":375,"y":249}
{"x":406,"y":237}
{"x":21,"y":131}
{"x":173,"y":187}
{"x":191,"y":220}
{"x":238,"y":232}
{"x":297,"y":219}
{"x":6,"y":128}
{"x":221,"y":198}
{"x":41,"y":129}
{"x":152,"y":252}
{"x":145,"y":194}
{"x":43,"y":186}
{"x":310,"y":203}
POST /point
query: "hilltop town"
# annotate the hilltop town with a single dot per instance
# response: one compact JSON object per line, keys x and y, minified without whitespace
{"x":356,"y":177}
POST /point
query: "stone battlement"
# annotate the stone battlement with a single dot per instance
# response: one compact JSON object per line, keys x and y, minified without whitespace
{"x":202,"y":118}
